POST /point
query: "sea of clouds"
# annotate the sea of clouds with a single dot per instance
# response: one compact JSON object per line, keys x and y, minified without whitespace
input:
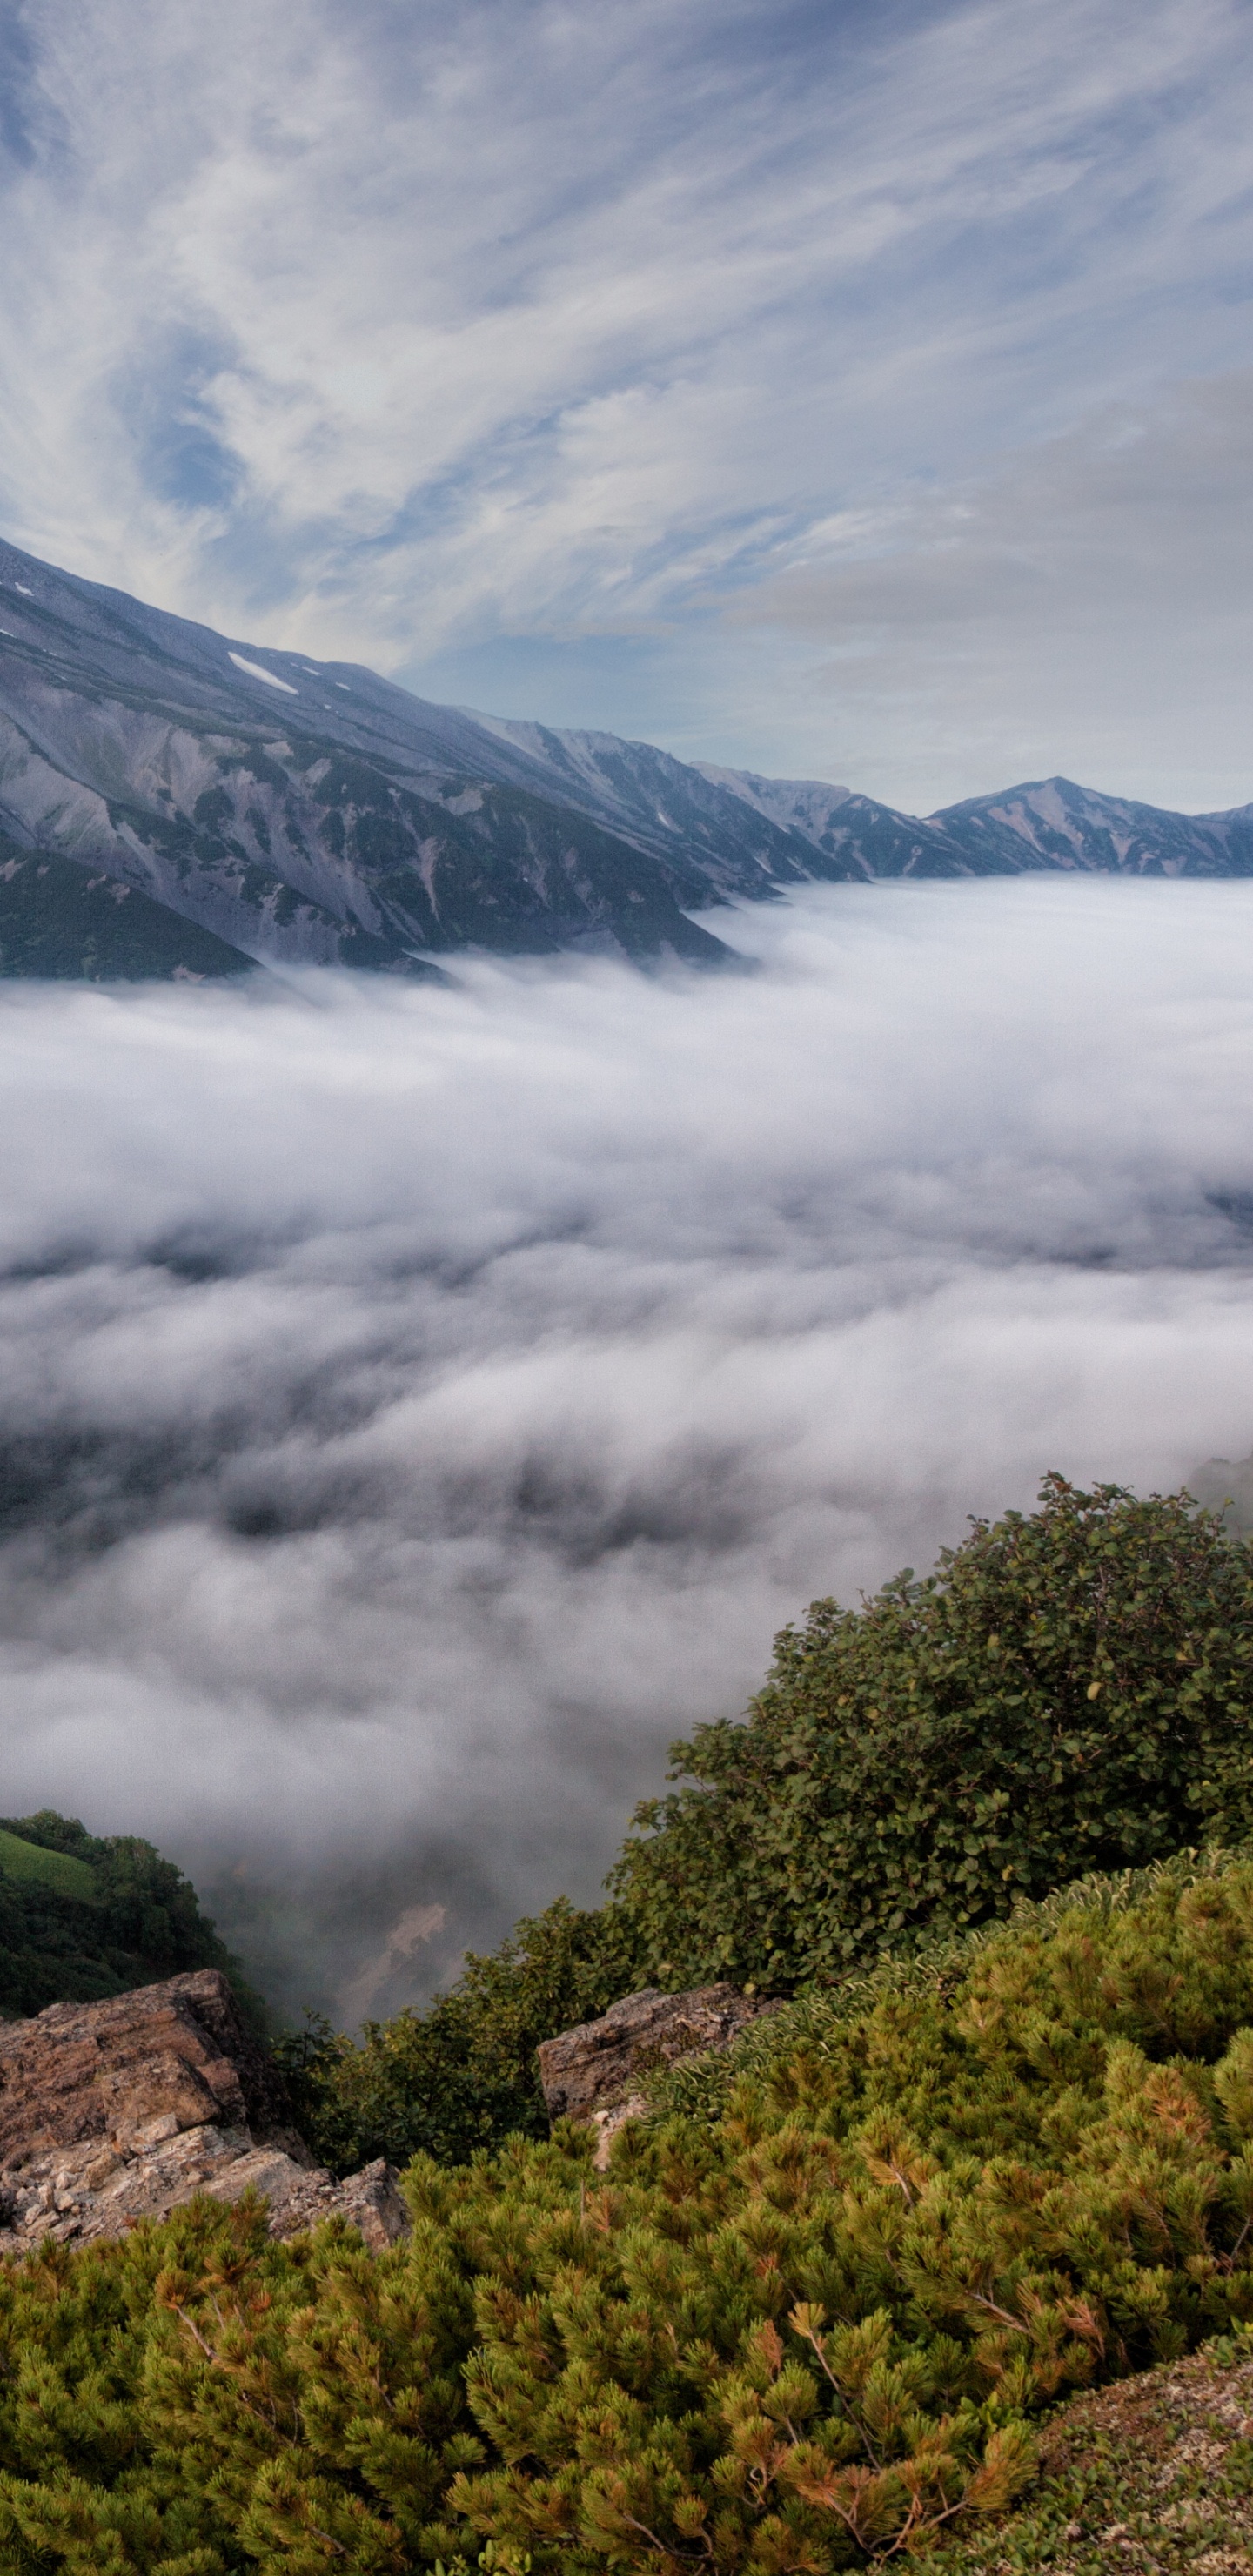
{"x":420,"y":1405}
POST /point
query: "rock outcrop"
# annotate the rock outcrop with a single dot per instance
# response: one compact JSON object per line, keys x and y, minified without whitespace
{"x":597,"y":2071}
{"x":122,"y":2110}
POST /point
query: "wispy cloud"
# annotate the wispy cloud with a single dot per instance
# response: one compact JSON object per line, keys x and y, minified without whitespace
{"x":438,"y":335}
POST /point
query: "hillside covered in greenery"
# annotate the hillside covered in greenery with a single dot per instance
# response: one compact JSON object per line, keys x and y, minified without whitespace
{"x":811,"y":2316}
{"x":83,"y":1917}
{"x":989,"y":1837}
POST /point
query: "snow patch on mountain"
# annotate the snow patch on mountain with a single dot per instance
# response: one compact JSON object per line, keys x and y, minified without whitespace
{"x":257,"y":671}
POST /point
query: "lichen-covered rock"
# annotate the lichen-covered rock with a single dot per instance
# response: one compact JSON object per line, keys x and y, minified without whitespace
{"x":370,"y":2201}
{"x":597,"y":2071}
{"x":177,"y":2052}
{"x":122,"y":2110}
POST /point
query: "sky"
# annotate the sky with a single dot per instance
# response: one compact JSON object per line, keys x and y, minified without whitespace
{"x":419,"y":1406}
{"x":860,"y":390}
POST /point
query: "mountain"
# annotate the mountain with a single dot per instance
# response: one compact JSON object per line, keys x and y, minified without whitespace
{"x":314,"y":812}
{"x":1051,"y":824}
{"x":1055,"y":824}
{"x":192,"y":803}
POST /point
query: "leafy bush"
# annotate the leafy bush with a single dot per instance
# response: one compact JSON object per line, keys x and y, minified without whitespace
{"x":142,"y":1921}
{"x":796,"y":2335}
{"x":462,"y":2075}
{"x":1069,"y":1690}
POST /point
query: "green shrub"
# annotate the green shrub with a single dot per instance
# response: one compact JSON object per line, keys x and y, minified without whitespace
{"x":462,"y":2075}
{"x":1070,"y":1689}
{"x":792,"y":2336}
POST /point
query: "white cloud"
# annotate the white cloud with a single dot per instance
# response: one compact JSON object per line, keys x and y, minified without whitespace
{"x":419,"y":1406}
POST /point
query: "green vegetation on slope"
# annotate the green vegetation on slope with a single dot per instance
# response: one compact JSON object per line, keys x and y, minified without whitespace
{"x":1071,"y":1689}
{"x":82,"y":1918}
{"x":991,"y":2150}
{"x":65,"y":922}
{"x":802,"y":2333}
{"x":462,"y":2075}
{"x":32,"y":1865}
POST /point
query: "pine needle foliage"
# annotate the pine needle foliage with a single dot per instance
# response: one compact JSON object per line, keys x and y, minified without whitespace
{"x":806,"y":2322}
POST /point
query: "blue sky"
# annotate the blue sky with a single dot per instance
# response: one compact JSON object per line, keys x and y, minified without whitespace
{"x":856,"y":391}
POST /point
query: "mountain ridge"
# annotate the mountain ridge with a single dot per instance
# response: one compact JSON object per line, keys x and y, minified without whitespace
{"x":287,"y":810}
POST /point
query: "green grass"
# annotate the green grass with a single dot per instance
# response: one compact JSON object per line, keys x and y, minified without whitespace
{"x":30,"y":1863}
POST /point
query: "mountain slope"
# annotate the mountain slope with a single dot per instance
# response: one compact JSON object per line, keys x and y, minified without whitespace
{"x":821,"y":831}
{"x":1049,"y":824}
{"x":61,"y":920}
{"x":302,"y":811}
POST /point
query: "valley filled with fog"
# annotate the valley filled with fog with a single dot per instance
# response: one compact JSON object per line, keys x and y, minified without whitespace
{"x":420,"y":1405}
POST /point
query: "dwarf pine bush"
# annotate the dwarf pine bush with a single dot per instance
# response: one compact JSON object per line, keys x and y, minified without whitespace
{"x":808,"y":2318}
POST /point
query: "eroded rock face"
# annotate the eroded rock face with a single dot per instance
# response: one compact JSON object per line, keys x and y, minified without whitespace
{"x":122,"y":2110}
{"x":176,"y":2053}
{"x":597,"y":2071}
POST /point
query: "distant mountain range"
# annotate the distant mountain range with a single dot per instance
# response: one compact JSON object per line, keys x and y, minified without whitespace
{"x":173,"y":802}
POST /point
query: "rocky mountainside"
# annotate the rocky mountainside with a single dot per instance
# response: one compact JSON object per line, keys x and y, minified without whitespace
{"x":835,"y":834}
{"x":226,"y":803}
{"x":59,"y":920}
{"x":1055,"y":824}
{"x":129,"y":2108}
{"x":315,"y":813}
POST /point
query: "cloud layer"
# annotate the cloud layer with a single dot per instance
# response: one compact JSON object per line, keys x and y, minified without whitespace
{"x":420,"y":1406}
{"x":522,"y":350}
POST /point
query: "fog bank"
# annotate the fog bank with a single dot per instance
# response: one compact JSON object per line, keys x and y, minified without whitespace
{"x":419,"y":1406}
